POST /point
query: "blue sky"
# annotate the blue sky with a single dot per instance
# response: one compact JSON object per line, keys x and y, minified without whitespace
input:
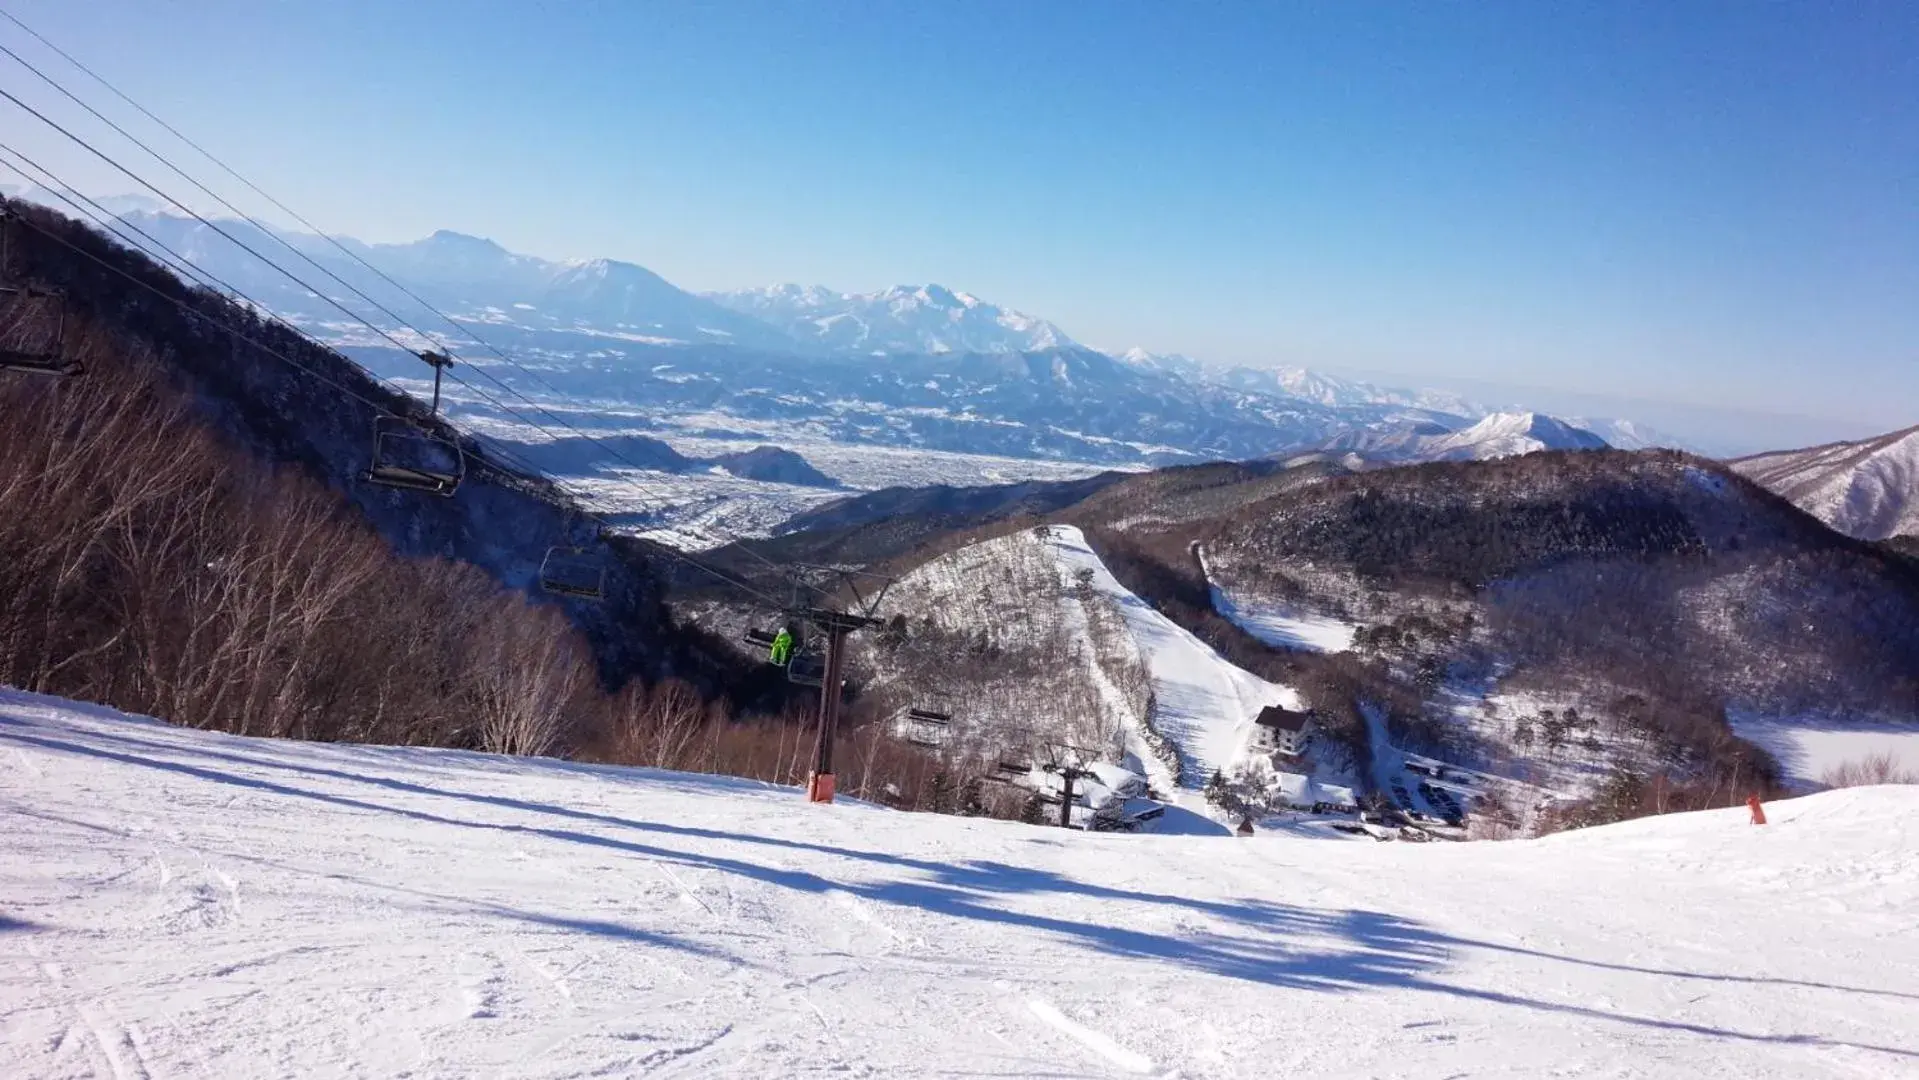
{"x":1704,"y":207}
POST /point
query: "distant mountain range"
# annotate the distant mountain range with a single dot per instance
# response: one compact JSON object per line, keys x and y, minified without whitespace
{"x":1336,"y":392}
{"x":1496,"y":435}
{"x":791,"y":361}
{"x":469,"y":278}
{"x":1868,"y":489}
{"x":902,"y":319}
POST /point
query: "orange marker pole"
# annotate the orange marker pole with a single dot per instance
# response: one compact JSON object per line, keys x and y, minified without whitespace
{"x":1758,"y":811}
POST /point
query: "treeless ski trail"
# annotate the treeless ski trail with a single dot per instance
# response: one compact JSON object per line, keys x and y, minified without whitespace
{"x":1203,"y":702}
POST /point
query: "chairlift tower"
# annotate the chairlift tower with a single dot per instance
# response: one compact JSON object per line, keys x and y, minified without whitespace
{"x":836,"y":626}
{"x":1068,"y":763}
{"x":835,"y":620}
{"x":835,"y":623}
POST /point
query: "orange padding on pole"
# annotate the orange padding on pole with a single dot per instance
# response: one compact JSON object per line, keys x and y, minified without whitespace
{"x":819,"y":787}
{"x":1758,"y":811}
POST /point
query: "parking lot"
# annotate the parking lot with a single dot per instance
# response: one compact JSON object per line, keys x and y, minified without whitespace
{"x":1427,"y":795}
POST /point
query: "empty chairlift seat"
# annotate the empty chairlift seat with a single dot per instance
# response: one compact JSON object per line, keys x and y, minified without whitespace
{"x":408,"y":456}
{"x":807,"y":668}
{"x":33,"y":332}
{"x":574,"y":572}
{"x":926,"y":726}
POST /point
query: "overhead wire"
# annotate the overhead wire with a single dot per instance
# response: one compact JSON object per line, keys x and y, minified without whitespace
{"x":297,"y":280}
{"x":458,"y":326}
{"x":702,"y":532}
{"x":188,"y":310}
{"x":104,"y":220}
{"x":342,"y":388}
{"x":258,"y":225}
{"x":118,"y":227}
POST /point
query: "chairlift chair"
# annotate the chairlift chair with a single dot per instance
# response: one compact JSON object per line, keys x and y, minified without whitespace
{"x":807,"y":666}
{"x":927,"y":727}
{"x":762,"y":639}
{"x":574,"y":572}
{"x":410,"y":457}
{"x":34,"y":354}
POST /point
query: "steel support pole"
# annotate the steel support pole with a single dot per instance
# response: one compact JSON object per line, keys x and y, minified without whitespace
{"x":819,"y":784}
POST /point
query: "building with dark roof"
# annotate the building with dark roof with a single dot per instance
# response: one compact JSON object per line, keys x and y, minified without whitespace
{"x":1279,"y":730}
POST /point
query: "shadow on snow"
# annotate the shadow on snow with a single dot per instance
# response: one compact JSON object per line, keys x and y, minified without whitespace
{"x":1263,"y":942}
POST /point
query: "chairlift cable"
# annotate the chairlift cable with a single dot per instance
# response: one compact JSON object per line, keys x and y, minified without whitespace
{"x":363,"y":321}
{"x":736,"y":542}
{"x":244,"y":247}
{"x":202,"y":316}
{"x":380,"y":408}
{"x":171,"y":259}
{"x":277,"y":238}
{"x":197,"y":216}
{"x":113,"y":227}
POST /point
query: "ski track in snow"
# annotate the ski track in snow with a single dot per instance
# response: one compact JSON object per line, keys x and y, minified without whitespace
{"x":175,"y":903}
{"x":1098,"y":1042}
{"x":1205,"y":703}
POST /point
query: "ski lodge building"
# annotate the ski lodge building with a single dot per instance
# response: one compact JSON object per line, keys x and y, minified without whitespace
{"x":1281,"y":730}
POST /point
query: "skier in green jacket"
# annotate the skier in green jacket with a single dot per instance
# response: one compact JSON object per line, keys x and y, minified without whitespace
{"x":782,"y":647}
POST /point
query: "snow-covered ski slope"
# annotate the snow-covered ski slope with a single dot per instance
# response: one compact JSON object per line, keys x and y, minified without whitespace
{"x":1807,"y":748}
{"x":1276,"y":622}
{"x":1284,"y":625}
{"x":1204,"y":703}
{"x":180,"y":904}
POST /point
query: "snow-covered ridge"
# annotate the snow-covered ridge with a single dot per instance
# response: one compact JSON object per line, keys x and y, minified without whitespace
{"x":600,"y":322}
{"x":1495,"y":435}
{"x":179,"y":903}
{"x":904,"y":318}
{"x":1508,"y":434}
{"x":1868,"y":489}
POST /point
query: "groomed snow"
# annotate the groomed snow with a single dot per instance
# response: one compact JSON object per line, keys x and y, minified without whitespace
{"x":180,"y":904}
{"x":1204,"y":703}
{"x":1275,"y":622}
{"x":1283,"y":625}
{"x":1807,"y":748}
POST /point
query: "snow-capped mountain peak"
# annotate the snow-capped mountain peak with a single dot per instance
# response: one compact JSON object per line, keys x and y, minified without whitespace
{"x":1505,"y":434}
{"x":929,"y":318}
{"x":1337,"y":392}
{"x":1431,"y":437}
{"x":448,"y":239}
{"x":1178,"y":365}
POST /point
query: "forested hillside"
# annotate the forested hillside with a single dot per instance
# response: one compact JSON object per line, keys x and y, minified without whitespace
{"x":184,"y":533}
{"x":1587,"y":622}
{"x":281,"y":400}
